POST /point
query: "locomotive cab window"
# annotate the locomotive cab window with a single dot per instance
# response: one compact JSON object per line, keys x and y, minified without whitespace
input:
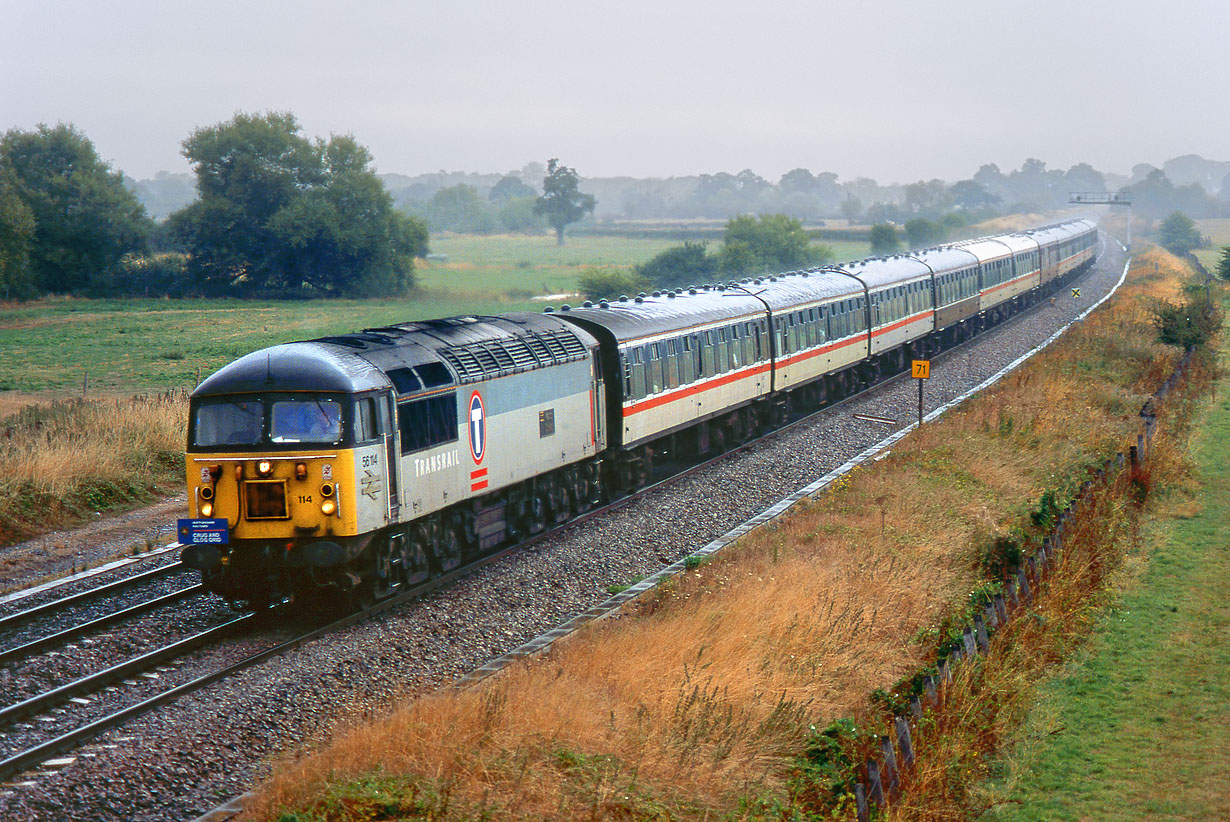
{"x":228,"y":422}
{"x":308,"y":420}
{"x":428,"y":422}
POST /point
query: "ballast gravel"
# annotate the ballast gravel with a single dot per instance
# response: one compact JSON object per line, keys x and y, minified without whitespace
{"x":186,"y":758}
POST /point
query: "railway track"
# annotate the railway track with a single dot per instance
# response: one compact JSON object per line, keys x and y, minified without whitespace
{"x":36,"y":754}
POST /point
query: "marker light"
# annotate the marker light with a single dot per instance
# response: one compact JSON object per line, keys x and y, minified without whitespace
{"x":326,"y":490}
{"x":207,"y":492}
{"x":207,"y":509}
{"x":328,"y":507}
{"x":264,"y":468}
{"x":300,"y":471}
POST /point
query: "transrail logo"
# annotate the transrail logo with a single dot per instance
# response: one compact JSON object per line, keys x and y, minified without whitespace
{"x":478,"y":428}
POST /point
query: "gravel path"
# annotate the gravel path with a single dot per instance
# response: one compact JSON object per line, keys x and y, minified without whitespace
{"x":186,"y":758}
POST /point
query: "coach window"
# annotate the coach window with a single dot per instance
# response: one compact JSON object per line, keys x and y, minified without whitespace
{"x":735,"y":347}
{"x":637,"y":355}
{"x":656,"y":381}
{"x":672,"y":364}
{"x":720,"y":350}
{"x":627,"y":368}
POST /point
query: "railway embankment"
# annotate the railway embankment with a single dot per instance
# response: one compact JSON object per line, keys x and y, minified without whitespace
{"x":763,"y":681}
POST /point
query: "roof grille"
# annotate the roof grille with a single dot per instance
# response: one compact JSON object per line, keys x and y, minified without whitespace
{"x":496,"y":358}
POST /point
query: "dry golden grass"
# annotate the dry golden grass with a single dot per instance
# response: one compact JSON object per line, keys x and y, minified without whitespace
{"x":698,"y":700}
{"x":69,"y":457}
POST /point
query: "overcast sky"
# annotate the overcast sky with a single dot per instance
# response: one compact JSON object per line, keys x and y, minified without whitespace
{"x":898,"y":90}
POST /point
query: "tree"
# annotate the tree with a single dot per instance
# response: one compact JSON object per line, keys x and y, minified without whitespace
{"x":884,"y":239}
{"x":84,"y":219}
{"x":771,"y":242}
{"x":509,"y":188}
{"x":1223,"y":265}
{"x":680,"y":265}
{"x":518,"y":215}
{"x":972,"y":196}
{"x":609,"y":282}
{"x":16,"y":239}
{"x":281,"y":215}
{"x":1179,"y":233}
{"x":459,"y":208}
{"x":921,"y":232}
{"x":851,"y":209}
{"x":561,"y":201}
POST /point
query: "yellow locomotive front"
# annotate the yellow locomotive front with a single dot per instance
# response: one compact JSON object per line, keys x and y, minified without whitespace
{"x":272,"y":452}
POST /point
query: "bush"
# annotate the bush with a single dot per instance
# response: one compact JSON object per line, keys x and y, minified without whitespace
{"x":884,"y":239}
{"x":1188,"y":324}
{"x":598,"y":282}
{"x":681,"y":265}
{"x":1179,"y":234}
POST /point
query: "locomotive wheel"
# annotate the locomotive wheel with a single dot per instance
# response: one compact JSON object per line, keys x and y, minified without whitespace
{"x":381,"y":578}
{"x":448,"y":548}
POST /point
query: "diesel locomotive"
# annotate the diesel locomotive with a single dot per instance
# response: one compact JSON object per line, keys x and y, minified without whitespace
{"x":366,"y":462}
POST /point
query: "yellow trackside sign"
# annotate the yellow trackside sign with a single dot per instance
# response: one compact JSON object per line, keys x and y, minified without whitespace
{"x":922,"y":370}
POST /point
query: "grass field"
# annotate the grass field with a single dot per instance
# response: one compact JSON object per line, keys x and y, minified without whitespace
{"x":1219,"y":232}
{"x":48,"y":348}
{"x":1139,"y":726}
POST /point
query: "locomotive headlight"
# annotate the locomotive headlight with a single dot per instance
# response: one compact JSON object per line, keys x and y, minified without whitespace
{"x":264,"y":468}
{"x":207,"y":509}
{"x":328,"y":507}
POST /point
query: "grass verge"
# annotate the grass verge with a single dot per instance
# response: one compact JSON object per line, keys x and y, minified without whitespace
{"x":706,"y":699}
{"x":68,"y":459}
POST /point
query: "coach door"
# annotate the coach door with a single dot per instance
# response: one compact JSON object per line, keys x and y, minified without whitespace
{"x":392,"y":454}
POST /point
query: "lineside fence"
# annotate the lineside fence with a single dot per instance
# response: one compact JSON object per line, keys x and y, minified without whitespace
{"x":885,"y":772}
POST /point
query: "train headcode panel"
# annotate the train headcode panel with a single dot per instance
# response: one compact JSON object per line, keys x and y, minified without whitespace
{"x":922,"y":369}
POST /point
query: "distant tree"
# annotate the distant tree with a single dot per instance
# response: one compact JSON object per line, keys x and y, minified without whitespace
{"x":281,"y":215}
{"x":927,"y":198}
{"x":561,"y":201}
{"x":771,"y":242}
{"x":680,"y":265}
{"x":798,"y":180}
{"x":84,"y":219}
{"x":16,"y":239}
{"x":921,"y":232}
{"x":1179,"y":234}
{"x":518,"y":215}
{"x":972,"y":196}
{"x":608,"y":282}
{"x":851,"y":209}
{"x":509,"y":188}
{"x":884,"y":239}
{"x":1223,"y":265}
{"x":459,"y":208}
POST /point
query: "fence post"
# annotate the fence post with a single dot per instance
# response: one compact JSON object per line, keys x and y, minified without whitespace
{"x":860,"y":803}
{"x":980,"y":634}
{"x":1023,"y":583}
{"x":929,"y":687}
{"x":904,"y":741}
{"x":1001,"y":609}
{"x":890,"y":766}
{"x":876,"y":784}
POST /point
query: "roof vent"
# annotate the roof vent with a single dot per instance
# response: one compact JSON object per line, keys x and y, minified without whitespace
{"x":548,"y":310}
{"x":604,"y":304}
{"x":587,"y":304}
{"x":642,"y":295}
{"x":670,"y":295}
{"x":640,"y":299}
{"x":623,"y":298}
{"x":657,"y":293}
{"x":565,"y":307}
{"x":692,"y":290}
